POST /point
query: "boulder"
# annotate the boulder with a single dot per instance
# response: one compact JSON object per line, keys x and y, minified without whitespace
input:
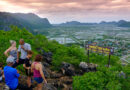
{"x":5,"y":87}
{"x":67,"y":69}
{"x":55,"y":75}
{"x":49,"y":86}
{"x":92,"y":67}
{"x":84,"y":66}
{"x":87,"y":67}
{"x":46,"y":64}
{"x":46,"y":73}
{"x":47,"y":57}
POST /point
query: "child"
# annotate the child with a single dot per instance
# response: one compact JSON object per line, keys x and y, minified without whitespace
{"x":27,"y":66}
{"x":1,"y":72}
{"x":38,"y":72}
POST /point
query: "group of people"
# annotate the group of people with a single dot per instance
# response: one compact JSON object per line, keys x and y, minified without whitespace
{"x":19,"y":56}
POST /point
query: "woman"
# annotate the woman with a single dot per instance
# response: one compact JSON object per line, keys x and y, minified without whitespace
{"x":12,"y":50}
{"x":38,"y":71}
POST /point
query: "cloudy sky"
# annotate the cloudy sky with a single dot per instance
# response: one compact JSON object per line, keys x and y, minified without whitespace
{"x":58,"y":11}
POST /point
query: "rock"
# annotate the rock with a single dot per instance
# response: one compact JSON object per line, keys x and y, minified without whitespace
{"x":70,"y":88}
{"x":68,"y":69}
{"x":122,"y":75}
{"x":47,"y":57}
{"x":66,"y":79}
{"x":92,"y":67}
{"x":46,"y":64}
{"x":83,"y":66}
{"x":49,"y":86}
{"x":6,"y":87}
{"x":46,"y":74}
{"x":55,"y":75}
{"x":87,"y":67}
{"x":65,"y":86}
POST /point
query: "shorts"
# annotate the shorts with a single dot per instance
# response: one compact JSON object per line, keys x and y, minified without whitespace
{"x":39,"y":80}
{"x":28,"y":72}
{"x":21,"y":61}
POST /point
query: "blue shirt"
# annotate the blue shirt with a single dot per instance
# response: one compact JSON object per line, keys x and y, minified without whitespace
{"x":11,"y":77}
{"x":24,"y":53}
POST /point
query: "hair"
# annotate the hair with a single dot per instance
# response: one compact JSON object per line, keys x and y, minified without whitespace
{"x":30,"y":52}
{"x":1,"y":65}
{"x":12,"y":42}
{"x":22,"y":40}
{"x":38,"y":58}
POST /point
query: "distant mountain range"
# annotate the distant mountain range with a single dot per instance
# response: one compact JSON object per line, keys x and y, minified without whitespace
{"x":29,"y":21}
{"x":33,"y":22}
{"x":121,"y":23}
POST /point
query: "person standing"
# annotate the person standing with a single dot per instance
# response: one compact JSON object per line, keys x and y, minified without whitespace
{"x":12,"y":50}
{"x":27,"y":66}
{"x":23,"y":49}
{"x":37,"y":70}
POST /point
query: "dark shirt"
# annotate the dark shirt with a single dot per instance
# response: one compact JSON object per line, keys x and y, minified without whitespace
{"x":27,"y":62}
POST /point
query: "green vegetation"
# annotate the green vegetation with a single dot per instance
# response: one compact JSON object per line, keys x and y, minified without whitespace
{"x":104,"y":79}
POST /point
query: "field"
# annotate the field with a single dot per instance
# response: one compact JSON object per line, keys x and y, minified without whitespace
{"x":104,"y":35}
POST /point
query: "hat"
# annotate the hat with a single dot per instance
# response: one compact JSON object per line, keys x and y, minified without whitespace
{"x":10,"y":60}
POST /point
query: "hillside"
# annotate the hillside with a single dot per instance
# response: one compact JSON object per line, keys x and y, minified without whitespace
{"x":29,"y":21}
{"x":63,"y":66}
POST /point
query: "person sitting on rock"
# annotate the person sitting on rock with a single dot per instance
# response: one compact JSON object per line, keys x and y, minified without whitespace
{"x":37,"y":70}
{"x":12,"y":75}
{"x":27,"y":66}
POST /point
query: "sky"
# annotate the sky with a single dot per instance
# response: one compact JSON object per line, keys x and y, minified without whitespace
{"x":59,"y":11}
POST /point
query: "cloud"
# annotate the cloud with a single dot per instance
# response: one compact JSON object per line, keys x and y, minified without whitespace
{"x":69,"y":9}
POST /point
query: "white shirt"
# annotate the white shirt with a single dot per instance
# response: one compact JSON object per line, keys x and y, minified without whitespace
{"x":24,"y":53}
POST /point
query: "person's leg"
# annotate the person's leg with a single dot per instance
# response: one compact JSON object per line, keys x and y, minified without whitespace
{"x":39,"y":86}
{"x":29,"y":81}
{"x":39,"y":81}
{"x":21,"y":61}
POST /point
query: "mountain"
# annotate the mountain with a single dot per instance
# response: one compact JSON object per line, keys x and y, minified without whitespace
{"x":75,"y":23}
{"x":110,"y":23}
{"x":29,"y":21}
{"x":123,"y":23}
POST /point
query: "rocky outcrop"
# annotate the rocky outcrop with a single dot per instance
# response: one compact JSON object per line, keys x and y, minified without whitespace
{"x":87,"y":67}
{"x":67,"y":69}
{"x":47,"y":57}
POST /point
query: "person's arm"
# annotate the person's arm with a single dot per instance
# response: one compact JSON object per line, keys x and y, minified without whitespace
{"x":32,"y":67}
{"x":24,"y":65}
{"x":18,"y":53}
{"x":6,"y":52}
{"x":41,"y":72}
{"x":17,"y":74}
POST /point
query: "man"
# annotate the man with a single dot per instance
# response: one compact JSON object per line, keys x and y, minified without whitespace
{"x":23,"y":49}
{"x":12,"y":75}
